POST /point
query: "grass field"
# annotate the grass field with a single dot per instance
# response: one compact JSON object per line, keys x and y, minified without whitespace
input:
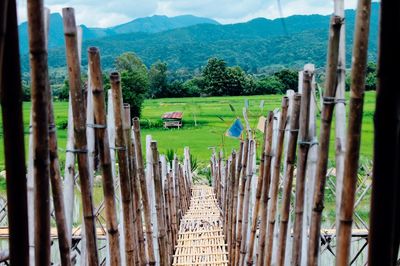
{"x":213,"y":115}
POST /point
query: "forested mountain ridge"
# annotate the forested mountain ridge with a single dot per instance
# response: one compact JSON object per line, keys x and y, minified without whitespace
{"x":151,"y":24}
{"x":253,"y":45}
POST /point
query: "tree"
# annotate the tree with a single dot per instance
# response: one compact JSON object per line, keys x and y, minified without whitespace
{"x":214,"y":75}
{"x":134,"y":81}
{"x":269,"y":85}
{"x":371,"y":79}
{"x":289,"y":79}
{"x":238,"y":82}
{"x":158,"y":79}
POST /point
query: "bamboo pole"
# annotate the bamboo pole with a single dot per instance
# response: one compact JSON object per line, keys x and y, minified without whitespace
{"x":162,"y":239}
{"x":275,"y":181}
{"x":324,"y":138}
{"x":104,"y":152}
{"x":265,"y":190}
{"x":256,"y":209}
{"x":288,"y":180}
{"x":144,"y":193}
{"x":304,"y":146}
{"x":242,"y":177}
{"x":385,"y":207}
{"x":40,"y":130}
{"x":137,"y":200}
{"x":3,"y":22}
{"x":359,"y":65}
{"x":132,"y":173}
{"x":168,"y":219}
{"x":14,"y":150}
{"x":69,"y":173}
{"x":123,"y":167}
{"x":230,"y":210}
{"x":340,"y":109}
{"x":140,"y":252}
{"x":311,"y":168}
{"x":236,"y":178}
{"x":172,"y":204}
{"x":55,"y":174}
{"x":177,"y":189}
{"x":80,"y":133}
{"x":246,"y":208}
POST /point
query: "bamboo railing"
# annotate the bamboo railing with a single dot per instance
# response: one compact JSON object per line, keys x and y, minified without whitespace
{"x":152,"y":213}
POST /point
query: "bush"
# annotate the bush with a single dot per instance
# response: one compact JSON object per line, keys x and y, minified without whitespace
{"x":269,"y":85}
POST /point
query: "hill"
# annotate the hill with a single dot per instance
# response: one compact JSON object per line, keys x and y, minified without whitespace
{"x":253,"y":45}
{"x":151,"y":24}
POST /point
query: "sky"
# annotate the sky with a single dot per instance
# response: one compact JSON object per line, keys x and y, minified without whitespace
{"x":106,"y":13}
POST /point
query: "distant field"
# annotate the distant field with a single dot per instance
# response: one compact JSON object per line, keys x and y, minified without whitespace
{"x":213,"y":116}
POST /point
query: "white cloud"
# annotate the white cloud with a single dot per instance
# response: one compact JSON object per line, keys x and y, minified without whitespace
{"x":102,"y":13}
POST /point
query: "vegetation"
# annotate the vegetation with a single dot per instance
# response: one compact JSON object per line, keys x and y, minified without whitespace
{"x":213,"y":119}
{"x":257,"y":46}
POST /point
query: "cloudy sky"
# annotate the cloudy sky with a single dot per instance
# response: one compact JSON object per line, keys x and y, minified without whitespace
{"x":105,"y":13}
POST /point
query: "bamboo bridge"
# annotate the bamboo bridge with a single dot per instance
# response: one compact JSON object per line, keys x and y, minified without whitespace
{"x":265,"y":202}
{"x":201,"y":239}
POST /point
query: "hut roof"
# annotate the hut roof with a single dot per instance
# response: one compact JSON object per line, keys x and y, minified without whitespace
{"x":172,"y":115}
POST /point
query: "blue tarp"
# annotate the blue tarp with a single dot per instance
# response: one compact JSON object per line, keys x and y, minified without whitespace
{"x":235,"y":130}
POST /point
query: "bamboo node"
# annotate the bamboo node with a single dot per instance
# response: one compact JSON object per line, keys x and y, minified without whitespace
{"x":77,"y":150}
{"x":96,"y":126}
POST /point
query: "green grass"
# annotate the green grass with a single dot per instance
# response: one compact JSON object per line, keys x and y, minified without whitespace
{"x":214,"y":116}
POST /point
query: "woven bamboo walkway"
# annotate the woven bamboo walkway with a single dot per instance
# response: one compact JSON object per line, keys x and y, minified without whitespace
{"x":200,"y":239}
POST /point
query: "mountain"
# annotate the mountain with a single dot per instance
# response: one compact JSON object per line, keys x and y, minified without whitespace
{"x":151,"y":24}
{"x":253,"y":45}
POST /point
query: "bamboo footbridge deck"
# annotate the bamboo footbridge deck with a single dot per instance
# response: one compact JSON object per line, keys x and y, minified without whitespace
{"x":200,"y":238}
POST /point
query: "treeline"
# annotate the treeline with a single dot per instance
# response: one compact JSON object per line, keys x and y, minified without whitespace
{"x":216,"y":78}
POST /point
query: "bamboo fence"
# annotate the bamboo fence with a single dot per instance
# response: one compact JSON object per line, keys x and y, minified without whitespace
{"x":152,"y":212}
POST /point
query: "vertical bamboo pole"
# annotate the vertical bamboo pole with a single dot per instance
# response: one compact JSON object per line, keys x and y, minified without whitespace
{"x":172,"y":204}
{"x":3,"y":23}
{"x":219,"y":179}
{"x":254,"y":225}
{"x":242,"y":177}
{"x":304,"y":146}
{"x":230,"y":210}
{"x":69,"y":173}
{"x":340,"y":109}
{"x":385,"y":201}
{"x":132,"y":173}
{"x":323,"y":151}
{"x":311,"y":168}
{"x":162,"y":239}
{"x":137,"y":200}
{"x":104,"y":152}
{"x":123,"y":164}
{"x":11,"y":105}
{"x":177,"y":188}
{"x":144,"y":193}
{"x":55,"y":174}
{"x":40,"y":130}
{"x":265,"y":190}
{"x":80,"y":133}
{"x":359,"y":65}
{"x":246,"y":211}
{"x":168,"y":215}
{"x":236,"y":178}
{"x":288,"y":180}
{"x":275,"y":181}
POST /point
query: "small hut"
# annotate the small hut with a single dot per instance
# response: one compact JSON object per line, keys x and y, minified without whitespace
{"x":172,"y":119}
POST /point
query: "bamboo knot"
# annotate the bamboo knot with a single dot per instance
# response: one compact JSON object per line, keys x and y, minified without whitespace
{"x":118,"y":148}
{"x":96,"y":126}
{"x":329,"y":100}
{"x":77,"y":150}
